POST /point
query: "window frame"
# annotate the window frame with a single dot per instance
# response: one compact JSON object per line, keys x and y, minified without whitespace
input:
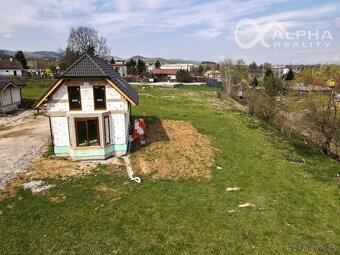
{"x":69,"y":98}
{"x":94,"y":98}
{"x":76,"y":120}
{"x":109,"y":130}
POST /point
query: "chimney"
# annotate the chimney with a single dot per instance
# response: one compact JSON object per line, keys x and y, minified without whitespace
{"x":11,"y":59}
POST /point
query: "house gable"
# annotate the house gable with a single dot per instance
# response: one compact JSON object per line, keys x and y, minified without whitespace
{"x":59,"y":99}
{"x":87,"y":67}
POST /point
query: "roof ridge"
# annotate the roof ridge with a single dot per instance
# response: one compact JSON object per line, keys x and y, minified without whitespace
{"x":94,"y":62}
{"x":76,"y":62}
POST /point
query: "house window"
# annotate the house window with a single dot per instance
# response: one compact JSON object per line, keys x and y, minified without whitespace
{"x":107,"y":129}
{"x":99,"y":97}
{"x":74,"y":97}
{"x":87,"y":132}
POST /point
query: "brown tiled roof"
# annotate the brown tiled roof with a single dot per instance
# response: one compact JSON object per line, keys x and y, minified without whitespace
{"x":7,"y":64}
{"x":164,"y":71}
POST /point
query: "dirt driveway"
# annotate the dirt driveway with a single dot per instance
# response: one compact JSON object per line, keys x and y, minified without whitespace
{"x":23,"y":138}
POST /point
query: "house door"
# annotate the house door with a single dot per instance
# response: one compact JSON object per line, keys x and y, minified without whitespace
{"x":15,"y":73}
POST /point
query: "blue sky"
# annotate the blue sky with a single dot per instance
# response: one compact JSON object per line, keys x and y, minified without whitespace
{"x":187,"y":29}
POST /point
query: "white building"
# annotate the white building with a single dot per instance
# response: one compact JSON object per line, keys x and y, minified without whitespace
{"x":120,"y":67}
{"x":10,"y":67}
{"x":213,"y":74}
{"x":179,"y":66}
{"x":10,"y":94}
{"x":89,"y":110}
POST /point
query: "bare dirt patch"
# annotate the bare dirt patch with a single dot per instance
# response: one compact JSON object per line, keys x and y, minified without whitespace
{"x":48,"y":168}
{"x":23,"y":138}
{"x":179,"y":151}
{"x":45,"y":168}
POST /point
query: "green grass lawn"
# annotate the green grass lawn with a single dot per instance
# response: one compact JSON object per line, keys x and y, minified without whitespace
{"x":294,"y":190}
{"x":35,"y":88}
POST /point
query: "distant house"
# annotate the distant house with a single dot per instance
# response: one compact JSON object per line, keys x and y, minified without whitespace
{"x":213,"y":75}
{"x":164,"y":74}
{"x":10,"y":94}
{"x":300,"y":87}
{"x":10,"y":67}
{"x":179,"y":66}
{"x":89,"y":110}
{"x":120,"y":67}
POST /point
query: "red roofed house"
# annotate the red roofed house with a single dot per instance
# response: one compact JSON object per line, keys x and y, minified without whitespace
{"x":164,"y":74}
{"x":10,"y":67}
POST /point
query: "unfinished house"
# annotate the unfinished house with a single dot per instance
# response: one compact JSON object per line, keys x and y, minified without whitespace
{"x":89,"y":110}
{"x":10,"y":94}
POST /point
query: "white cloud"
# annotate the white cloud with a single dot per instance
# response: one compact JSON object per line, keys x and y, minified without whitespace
{"x":128,"y":17}
{"x":7,"y":35}
{"x":116,"y":19}
{"x":337,"y":22}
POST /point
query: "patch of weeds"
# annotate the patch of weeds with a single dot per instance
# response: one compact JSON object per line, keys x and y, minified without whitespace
{"x":254,"y":124}
{"x":101,"y":167}
{"x":293,"y":159}
{"x":219,"y":94}
{"x":49,"y":153}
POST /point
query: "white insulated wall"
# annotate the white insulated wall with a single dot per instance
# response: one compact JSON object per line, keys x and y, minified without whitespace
{"x":60,"y":99}
{"x":16,"y":95}
{"x":87,"y":101}
{"x":6,"y":97}
{"x":118,"y":130}
{"x":114,"y":101}
{"x":60,"y":131}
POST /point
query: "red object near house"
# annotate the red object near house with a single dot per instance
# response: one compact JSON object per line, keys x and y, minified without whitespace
{"x":139,"y":129}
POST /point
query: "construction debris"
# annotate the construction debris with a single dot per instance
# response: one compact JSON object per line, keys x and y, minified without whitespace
{"x":246,"y":205}
{"x":232,"y":188}
{"x":37,"y":186}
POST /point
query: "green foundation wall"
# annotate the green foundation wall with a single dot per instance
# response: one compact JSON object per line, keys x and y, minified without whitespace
{"x":90,"y":152}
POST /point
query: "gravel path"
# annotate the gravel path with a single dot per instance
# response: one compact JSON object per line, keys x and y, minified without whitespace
{"x":22,"y":139}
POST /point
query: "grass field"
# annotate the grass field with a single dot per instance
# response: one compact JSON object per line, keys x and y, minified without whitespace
{"x":294,"y":191}
{"x":35,"y":88}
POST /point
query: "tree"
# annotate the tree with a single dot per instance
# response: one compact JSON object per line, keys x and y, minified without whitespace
{"x":141,"y":67}
{"x":226,"y":69}
{"x":69,"y":57}
{"x":270,"y":83}
{"x":131,"y":67}
{"x":234,"y":75}
{"x":323,"y":107}
{"x":198,"y":70}
{"x":267,"y":103}
{"x":290,"y":75}
{"x":253,"y":69}
{"x":183,"y":76}
{"x":157,"y":64}
{"x":20,"y":56}
{"x":86,"y":40}
{"x":112,"y":61}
